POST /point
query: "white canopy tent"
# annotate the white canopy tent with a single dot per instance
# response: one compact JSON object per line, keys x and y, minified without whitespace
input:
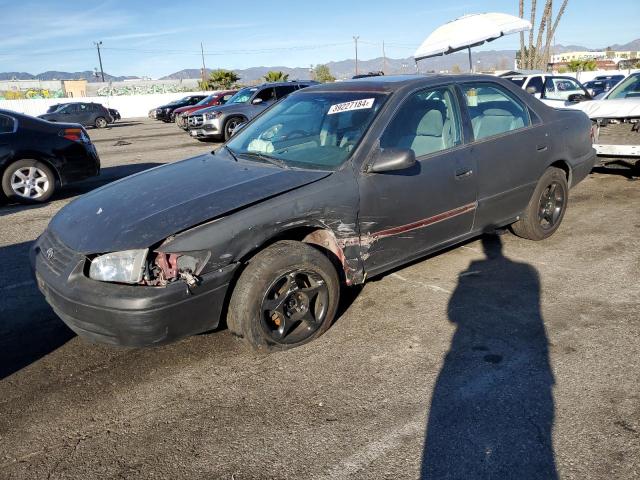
{"x":469,"y":31}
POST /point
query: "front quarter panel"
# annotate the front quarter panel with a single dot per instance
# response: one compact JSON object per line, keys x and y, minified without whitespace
{"x":330,"y":204}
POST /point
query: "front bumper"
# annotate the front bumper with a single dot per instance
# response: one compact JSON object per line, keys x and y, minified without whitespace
{"x":126,"y":315}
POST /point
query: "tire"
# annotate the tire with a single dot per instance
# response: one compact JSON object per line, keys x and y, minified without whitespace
{"x":42,"y":182}
{"x":547,"y":207}
{"x":286,"y":296}
{"x":101,"y":122}
{"x":230,"y":125}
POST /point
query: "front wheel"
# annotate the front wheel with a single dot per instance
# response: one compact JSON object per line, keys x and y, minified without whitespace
{"x":101,"y":122}
{"x":547,"y":207}
{"x":230,"y":126}
{"x":28,"y":181}
{"x":287,"y":296}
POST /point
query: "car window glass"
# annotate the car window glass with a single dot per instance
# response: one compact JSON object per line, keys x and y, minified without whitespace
{"x":628,"y":88}
{"x":426,"y":123}
{"x":493,"y":110}
{"x":284,"y":90}
{"x":266,"y":94}
{"x":7,"y":124}
{"x":561,"y":88}
{"x":519,"y":81}
{"x":535,"y":82}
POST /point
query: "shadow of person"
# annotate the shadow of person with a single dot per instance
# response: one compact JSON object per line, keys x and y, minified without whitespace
{"x":492,"y":410}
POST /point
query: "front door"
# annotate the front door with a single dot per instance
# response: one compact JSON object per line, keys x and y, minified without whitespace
{"x":407,"y":212}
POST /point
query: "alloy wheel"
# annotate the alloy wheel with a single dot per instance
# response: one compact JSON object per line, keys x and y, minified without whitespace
{"x":294,"y":306}
{"x":30,"y":182}
{"x":551,"y":205}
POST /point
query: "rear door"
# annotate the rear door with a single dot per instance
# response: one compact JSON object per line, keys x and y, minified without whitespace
{"x":508,"y":140}
{"x":407,"y":212}
{"x":8,"y":126}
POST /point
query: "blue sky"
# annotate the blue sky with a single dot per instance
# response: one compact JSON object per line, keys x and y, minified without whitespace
{"x":160,"y":37}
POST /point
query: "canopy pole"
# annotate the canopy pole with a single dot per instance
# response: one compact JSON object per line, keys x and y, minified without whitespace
{"x":470,"y":63}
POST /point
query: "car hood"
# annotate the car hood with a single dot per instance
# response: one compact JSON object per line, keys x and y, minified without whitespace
{"x":614,"y":108}
{"x":144,"y":209}
{"x":222,"y":108}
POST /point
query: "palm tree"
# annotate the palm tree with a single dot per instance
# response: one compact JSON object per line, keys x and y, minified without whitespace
{"x":273,"y":76}
{"x":547,"y":48}
{"x":221,"y":78}
{"x":533,"y":23}
{"x":521,"y":12}
{"x":546,"y":15}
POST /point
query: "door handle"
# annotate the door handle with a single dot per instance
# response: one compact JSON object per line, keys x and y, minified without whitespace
{"x":541,"y":148}
{"x":462,"y":173}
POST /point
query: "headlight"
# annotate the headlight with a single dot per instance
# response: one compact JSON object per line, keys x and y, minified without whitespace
{"x":124,"y":267}
{"x":212,"y":115}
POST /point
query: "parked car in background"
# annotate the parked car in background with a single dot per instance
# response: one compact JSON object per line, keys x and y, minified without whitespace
{"x":219,"y":122}
{"x":616,"y":78}
{"x":164,"y":111}
{"x":218,"y":98}
{"x":87,"y":114}
{"x":598,"y":87}
{"x":617,"y":113}
{"x":36,"y":155}
{"x":333,"y":185}
{"x":554,"y":90}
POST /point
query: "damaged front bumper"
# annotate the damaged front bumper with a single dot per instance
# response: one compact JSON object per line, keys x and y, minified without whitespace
{"x":126,"y":315}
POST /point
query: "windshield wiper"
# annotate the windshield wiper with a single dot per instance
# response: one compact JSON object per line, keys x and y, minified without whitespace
{"x":233,"y":155}
{"x":273,"y":160}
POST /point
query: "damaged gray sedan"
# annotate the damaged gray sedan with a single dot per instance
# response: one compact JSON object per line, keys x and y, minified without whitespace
{"x":333,"y":185}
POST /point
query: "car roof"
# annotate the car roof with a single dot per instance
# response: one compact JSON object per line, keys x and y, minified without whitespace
{"x":391,"y":83}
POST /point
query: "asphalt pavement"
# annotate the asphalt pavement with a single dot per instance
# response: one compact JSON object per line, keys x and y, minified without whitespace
{"x":500,"y":358}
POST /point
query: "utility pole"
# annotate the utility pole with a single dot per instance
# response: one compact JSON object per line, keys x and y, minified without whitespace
{"x":355,"y":39}
{"x":98,"y":44}
{"x":204,"y":69}
{"x":384,"y":60}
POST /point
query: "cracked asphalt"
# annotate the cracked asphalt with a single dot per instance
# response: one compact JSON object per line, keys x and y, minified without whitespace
{"x":500,"y":358}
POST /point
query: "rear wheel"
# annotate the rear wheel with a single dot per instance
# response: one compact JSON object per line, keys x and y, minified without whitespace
{"x":28,"y":181}
{"x":546,"y":208}
{"x":101,"y":122}
{"x":230,"y":125}
{"x":287,"y":296}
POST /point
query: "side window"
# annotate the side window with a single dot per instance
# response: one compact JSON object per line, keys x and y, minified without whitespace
{"x":284,"y":90}
{"x":561,"y":88}
{"x":535,"y":83}
{"x":73,"y":108}
{"x":82,"y":107}
{"x":266,"y":94}
{"x":427,"y":122}
{"x":7,"y":124}
{"x":493,"y":110}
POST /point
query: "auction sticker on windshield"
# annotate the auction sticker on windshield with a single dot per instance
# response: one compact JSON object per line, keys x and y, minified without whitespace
{"x":353,"y":105}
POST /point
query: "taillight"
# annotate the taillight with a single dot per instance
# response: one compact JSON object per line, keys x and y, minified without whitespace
{"x":75,"y":135}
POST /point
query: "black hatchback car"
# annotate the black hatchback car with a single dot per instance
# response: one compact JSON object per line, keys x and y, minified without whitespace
{"x":164,"y":112}
{"x":330,"y":186}
{"x":36,"y":155}
{"x":87,"y":114}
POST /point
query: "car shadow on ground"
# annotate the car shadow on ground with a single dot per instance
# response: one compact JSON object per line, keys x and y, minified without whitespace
{"x":107,"y":175}
{"x":29,"y":329}
{"x":492,"y":409}
{"x":624,"y":169}
{"x":119,"y":124}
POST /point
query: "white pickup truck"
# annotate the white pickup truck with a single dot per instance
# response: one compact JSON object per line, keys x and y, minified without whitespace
{"x":617,"y":113}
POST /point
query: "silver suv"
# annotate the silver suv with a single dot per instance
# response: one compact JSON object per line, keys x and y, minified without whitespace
{"x":219,"y":122}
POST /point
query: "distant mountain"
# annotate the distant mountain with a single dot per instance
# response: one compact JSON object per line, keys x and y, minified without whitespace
{"x":482,"y":60}
{"x":88,"y":75}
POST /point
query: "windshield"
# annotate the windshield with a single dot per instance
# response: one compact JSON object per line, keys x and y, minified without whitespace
{"x":206,"y":100}
{"x":316,"y":130}
{"x":243,"y":95}
{"x":628,"y":88}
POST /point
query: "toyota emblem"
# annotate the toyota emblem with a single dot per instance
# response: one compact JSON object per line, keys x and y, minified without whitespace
{"x":49,"y":253}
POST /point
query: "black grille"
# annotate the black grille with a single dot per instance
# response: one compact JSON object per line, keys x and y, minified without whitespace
{"x":56,"y":255}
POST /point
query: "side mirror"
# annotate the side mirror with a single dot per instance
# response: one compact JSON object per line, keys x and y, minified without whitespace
{"x":391,"y":159}
{"x":256,"y":101}
{"x":577,"y":97}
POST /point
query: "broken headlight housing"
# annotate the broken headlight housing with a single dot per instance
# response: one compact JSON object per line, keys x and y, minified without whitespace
{"x":123,"y":267}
